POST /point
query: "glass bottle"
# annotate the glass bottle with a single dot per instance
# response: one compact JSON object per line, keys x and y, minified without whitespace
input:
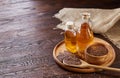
{"x":84,"y":34}
{"x":70,"y":37}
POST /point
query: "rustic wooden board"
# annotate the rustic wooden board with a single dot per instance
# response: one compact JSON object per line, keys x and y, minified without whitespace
{"x":27,"y":38}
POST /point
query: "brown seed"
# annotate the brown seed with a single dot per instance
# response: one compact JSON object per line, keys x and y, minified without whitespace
{"x":97,"y":50}
{"x":69,"y":58}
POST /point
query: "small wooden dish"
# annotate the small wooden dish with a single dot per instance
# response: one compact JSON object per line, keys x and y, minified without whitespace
{"x":60,"y":47}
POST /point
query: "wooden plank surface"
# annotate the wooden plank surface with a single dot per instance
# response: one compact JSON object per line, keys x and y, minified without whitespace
{"x":27,"y":38}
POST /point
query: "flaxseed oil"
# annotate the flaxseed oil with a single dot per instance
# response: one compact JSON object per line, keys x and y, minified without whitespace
{"x":70,"y":41}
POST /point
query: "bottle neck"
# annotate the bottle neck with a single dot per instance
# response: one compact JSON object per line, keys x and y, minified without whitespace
{"x":85,"y":24}
{"x":69,"y":25}
{"x":85,"y":19}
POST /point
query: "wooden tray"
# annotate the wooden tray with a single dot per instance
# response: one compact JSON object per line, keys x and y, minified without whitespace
{"x":60,"y":47}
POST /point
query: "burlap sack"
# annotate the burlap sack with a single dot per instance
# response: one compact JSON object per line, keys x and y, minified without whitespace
{"x":106,"y":22}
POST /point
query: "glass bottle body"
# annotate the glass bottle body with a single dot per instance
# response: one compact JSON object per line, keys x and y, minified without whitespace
{"x":84,"y":38}
{"x":70,"y":40}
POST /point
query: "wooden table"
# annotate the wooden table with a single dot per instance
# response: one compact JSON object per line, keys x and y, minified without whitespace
{"x":27,"y":38}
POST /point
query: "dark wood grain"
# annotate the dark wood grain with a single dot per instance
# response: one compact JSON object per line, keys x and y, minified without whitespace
{"x":27,"y":38}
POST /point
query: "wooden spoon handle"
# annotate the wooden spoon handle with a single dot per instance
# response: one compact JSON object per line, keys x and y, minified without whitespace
{"x":105,"y":68}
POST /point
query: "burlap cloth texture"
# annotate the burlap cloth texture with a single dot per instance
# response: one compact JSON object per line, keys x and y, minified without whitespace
{"x":104,"y":21}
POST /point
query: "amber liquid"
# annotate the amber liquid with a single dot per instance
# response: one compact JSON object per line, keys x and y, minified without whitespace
{"x":70,"y":41}
{"x":84,"y":38}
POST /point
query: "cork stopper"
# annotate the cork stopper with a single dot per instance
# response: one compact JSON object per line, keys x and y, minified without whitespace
{"x":69,"y":25}
{"x":85,"y":15}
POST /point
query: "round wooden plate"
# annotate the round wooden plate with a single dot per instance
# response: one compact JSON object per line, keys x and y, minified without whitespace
{"x":60,"y":47}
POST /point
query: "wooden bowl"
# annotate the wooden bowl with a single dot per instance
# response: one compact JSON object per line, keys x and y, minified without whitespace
{"x":97,"y":59}
{"x":60,"y":48}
